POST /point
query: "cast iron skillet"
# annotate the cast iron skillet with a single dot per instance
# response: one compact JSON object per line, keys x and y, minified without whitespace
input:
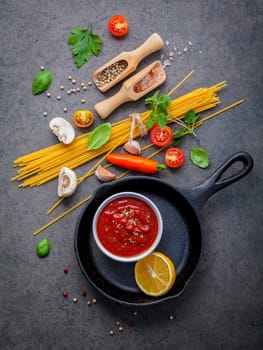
{"x":181,"y":240}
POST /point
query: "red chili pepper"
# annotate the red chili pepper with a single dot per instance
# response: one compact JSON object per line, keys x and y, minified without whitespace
{"x":137,"y":163}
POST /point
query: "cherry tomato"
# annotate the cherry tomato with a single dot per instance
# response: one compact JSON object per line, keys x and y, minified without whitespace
{"x":118,"y":26}
{"x":83,"y":118}
{"x":161,"y":136}
{"x":174,"y":157}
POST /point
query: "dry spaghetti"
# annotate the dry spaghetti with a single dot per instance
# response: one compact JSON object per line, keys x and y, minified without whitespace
{"x":43,"y":165}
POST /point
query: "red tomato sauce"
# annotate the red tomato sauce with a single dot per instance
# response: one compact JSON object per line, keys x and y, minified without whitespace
{"x":127,"y":226}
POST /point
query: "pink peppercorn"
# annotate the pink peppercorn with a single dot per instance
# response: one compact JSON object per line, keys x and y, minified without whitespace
{"x":65,"y":294}
{"x":83,"y":293}
{"x":65,"y":270}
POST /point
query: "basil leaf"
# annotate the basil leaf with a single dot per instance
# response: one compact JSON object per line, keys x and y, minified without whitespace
{"x":43,"y":248}
{"x":99,"y":136}
{"x":153,"y":99}
{"x":190,"y":117}
{"x":162,"y":121}
{"x":41,"y":82}
{"x":165,"y":100}
{"x":199,"y":157}
{"x":149,"y":123}
{"x":178,"y":136}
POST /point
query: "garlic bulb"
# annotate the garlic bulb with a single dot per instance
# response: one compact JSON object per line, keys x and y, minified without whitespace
{"x":132,"y":147}
{"x":67,"y":182}
{"x":104,"y":175}
{"x":62,"y":129}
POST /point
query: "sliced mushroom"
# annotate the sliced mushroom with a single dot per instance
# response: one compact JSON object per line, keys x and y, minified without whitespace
{"x":104,"y":175}
{"x":67,"y":182}
{"x":62,"y":129}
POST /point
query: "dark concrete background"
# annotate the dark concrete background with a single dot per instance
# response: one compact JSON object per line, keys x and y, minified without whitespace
{"x":222,"y":307}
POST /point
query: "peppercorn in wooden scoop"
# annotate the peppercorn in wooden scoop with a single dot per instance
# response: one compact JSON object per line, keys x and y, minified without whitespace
{"x":125,"y":63}
{"x":133,"y":89}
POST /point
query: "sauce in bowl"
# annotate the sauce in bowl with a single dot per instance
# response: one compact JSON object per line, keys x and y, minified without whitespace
{"x":127,"y":225}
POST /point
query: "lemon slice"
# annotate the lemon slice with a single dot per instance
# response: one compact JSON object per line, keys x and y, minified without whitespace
{"x":155,"y":274}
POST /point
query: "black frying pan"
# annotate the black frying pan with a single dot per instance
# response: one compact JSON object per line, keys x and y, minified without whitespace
{"x":181,"y":240}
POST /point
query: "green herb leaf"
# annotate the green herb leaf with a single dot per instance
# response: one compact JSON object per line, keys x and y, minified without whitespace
{"x":41,"y":82}
{"x":43,"y":248}
{"x":199,"y":157}
{"x":85,"y":43}
{"x":159,"y":110}
{"x":153,"y":99}
{"x":99,"y":136}
{"x":162,"y":121}
{"x":164,"y":100}
{"x":178,"y":136}
{"x":190,"y":118}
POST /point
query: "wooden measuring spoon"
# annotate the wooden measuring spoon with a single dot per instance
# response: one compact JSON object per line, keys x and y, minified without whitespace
{"x":125,"y":63}
{"x":133,"y":89}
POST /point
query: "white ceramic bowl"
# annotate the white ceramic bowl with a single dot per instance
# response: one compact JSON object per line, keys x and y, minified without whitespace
{"x":139,"y":255}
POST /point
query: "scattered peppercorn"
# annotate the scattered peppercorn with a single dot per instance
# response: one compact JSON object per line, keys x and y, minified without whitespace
{"x":111,"y":332}
{"x":65,"y":270}
{"x":75,"y":300}
{"x":65,"y":294}
{"x":89,"y":303}
{"x":58,"y":98}
{"x":110,"y":73}
{"x":84,"y":293}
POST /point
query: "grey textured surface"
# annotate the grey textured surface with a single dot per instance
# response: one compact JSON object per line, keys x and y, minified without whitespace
{"x":222,"y":307}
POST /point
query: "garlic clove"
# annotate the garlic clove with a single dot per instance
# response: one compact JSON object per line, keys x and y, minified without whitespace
{"x":67,"y":182}
{"x":62,"y":129}
{"x":104,"y":175}
{"x":132,"y":147}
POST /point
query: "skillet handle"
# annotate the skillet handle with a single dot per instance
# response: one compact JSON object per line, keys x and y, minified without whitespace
{"x":216,"y":181}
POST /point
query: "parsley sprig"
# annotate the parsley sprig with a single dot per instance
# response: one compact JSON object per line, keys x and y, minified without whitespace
{"x":84,"y":44}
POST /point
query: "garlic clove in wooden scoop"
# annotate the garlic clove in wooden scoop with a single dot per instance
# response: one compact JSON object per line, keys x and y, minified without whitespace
{"x":62,"y":129}
{"x":132,"y":147}
{"x":104,"y":175}
{"x":67,"y":182}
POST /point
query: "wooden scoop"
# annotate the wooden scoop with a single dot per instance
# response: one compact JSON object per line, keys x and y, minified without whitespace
{"x":133,"y":89}
{"x":128,"y":63}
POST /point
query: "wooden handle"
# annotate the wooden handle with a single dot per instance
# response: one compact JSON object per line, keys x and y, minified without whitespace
{"x":106,"y":107}
{"x":152,"y":44}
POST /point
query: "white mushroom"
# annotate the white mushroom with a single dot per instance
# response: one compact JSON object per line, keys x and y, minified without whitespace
{"x":104,"y":175}
{"x":67,"y":182}
{"x":62,"y":129}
